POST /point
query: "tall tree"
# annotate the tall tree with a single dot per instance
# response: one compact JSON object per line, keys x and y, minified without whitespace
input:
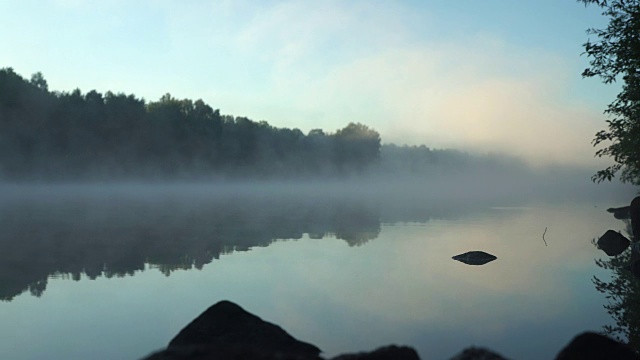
{"x":38,"y":80}
{"x":357,"y":146}
{"x":614,"y":56}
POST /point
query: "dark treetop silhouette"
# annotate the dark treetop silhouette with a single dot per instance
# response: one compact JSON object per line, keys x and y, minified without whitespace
{"x":61,"y":136}
{"x":71,"y":135}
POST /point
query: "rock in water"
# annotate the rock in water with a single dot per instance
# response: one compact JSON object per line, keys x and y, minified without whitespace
{"x":227,"y":325}
{"x":475,"y":258}
{"x":592,"y":346}
{"x":613,"y":243}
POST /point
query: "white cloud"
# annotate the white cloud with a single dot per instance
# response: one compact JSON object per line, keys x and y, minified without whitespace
{"x":477,"y":92}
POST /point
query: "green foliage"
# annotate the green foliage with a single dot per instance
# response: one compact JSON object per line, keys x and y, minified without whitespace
{"x":615,"y":55}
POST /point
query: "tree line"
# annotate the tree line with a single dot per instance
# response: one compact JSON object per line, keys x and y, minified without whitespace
{"x":73,"y":135}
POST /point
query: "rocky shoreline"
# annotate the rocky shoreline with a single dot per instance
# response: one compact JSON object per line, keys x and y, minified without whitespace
{"x":225,"y":331}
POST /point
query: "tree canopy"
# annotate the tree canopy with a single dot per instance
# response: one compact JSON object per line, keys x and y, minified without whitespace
{"x":615,"y":56}
{"x":48,"y":135}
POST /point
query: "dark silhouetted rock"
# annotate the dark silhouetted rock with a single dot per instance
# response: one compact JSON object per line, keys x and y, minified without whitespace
{"x":474,"y":353}
{"x":225,"y":331}
{"x":226,"y":325}
{"x":392,"y":352}
{"x":205,"y":352}
{"x":475,"y":258}
{"x":613,"y":243}
{"x":620,"y":213}
{"x":592,"y":346}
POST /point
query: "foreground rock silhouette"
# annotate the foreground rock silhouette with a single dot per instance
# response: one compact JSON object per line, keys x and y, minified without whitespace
{"x":227,"y":324}
{"x":226,"y":331}
{"x":592,"y":346}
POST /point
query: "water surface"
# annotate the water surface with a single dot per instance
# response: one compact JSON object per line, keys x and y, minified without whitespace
{"x":116,"y":274}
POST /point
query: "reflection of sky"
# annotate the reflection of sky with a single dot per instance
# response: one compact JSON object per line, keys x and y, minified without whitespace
{"x":401,"y":288}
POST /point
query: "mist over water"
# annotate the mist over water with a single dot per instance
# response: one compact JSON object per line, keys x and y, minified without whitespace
{"x":442,"y":184}
{"x":345,"y":264}
{"x":45,"y":223}
{"x":80,"y":247}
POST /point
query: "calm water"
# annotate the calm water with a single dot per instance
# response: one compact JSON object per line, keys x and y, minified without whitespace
{"x":106,"y":274}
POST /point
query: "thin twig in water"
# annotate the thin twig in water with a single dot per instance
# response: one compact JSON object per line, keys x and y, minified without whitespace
{"x":545,"y":231}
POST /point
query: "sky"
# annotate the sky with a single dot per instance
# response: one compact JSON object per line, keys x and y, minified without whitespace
{"x":499,"y":76}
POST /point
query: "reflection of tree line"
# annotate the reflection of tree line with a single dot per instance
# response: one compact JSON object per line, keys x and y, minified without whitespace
{"x":118,"y":238}
{"x":623,"y":295}
{"x":623,"y":289}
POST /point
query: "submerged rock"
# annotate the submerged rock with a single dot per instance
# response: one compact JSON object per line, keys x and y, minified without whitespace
{"x":613,"y":243}
{"x":475,"y":258}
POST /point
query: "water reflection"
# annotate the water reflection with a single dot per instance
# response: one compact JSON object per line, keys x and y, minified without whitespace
{"x":622,"y":289}
{"x":115,"y":235}
{"x":401,"y":287}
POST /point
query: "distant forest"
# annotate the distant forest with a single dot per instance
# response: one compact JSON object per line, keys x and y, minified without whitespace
{"x":51,"y":135}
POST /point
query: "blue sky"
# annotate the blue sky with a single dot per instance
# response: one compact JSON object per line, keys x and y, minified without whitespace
{"x":493,"y":75}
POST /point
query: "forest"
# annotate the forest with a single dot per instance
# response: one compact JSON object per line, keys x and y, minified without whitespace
{"x":49,"y":135}
{"x":74,"y":136}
